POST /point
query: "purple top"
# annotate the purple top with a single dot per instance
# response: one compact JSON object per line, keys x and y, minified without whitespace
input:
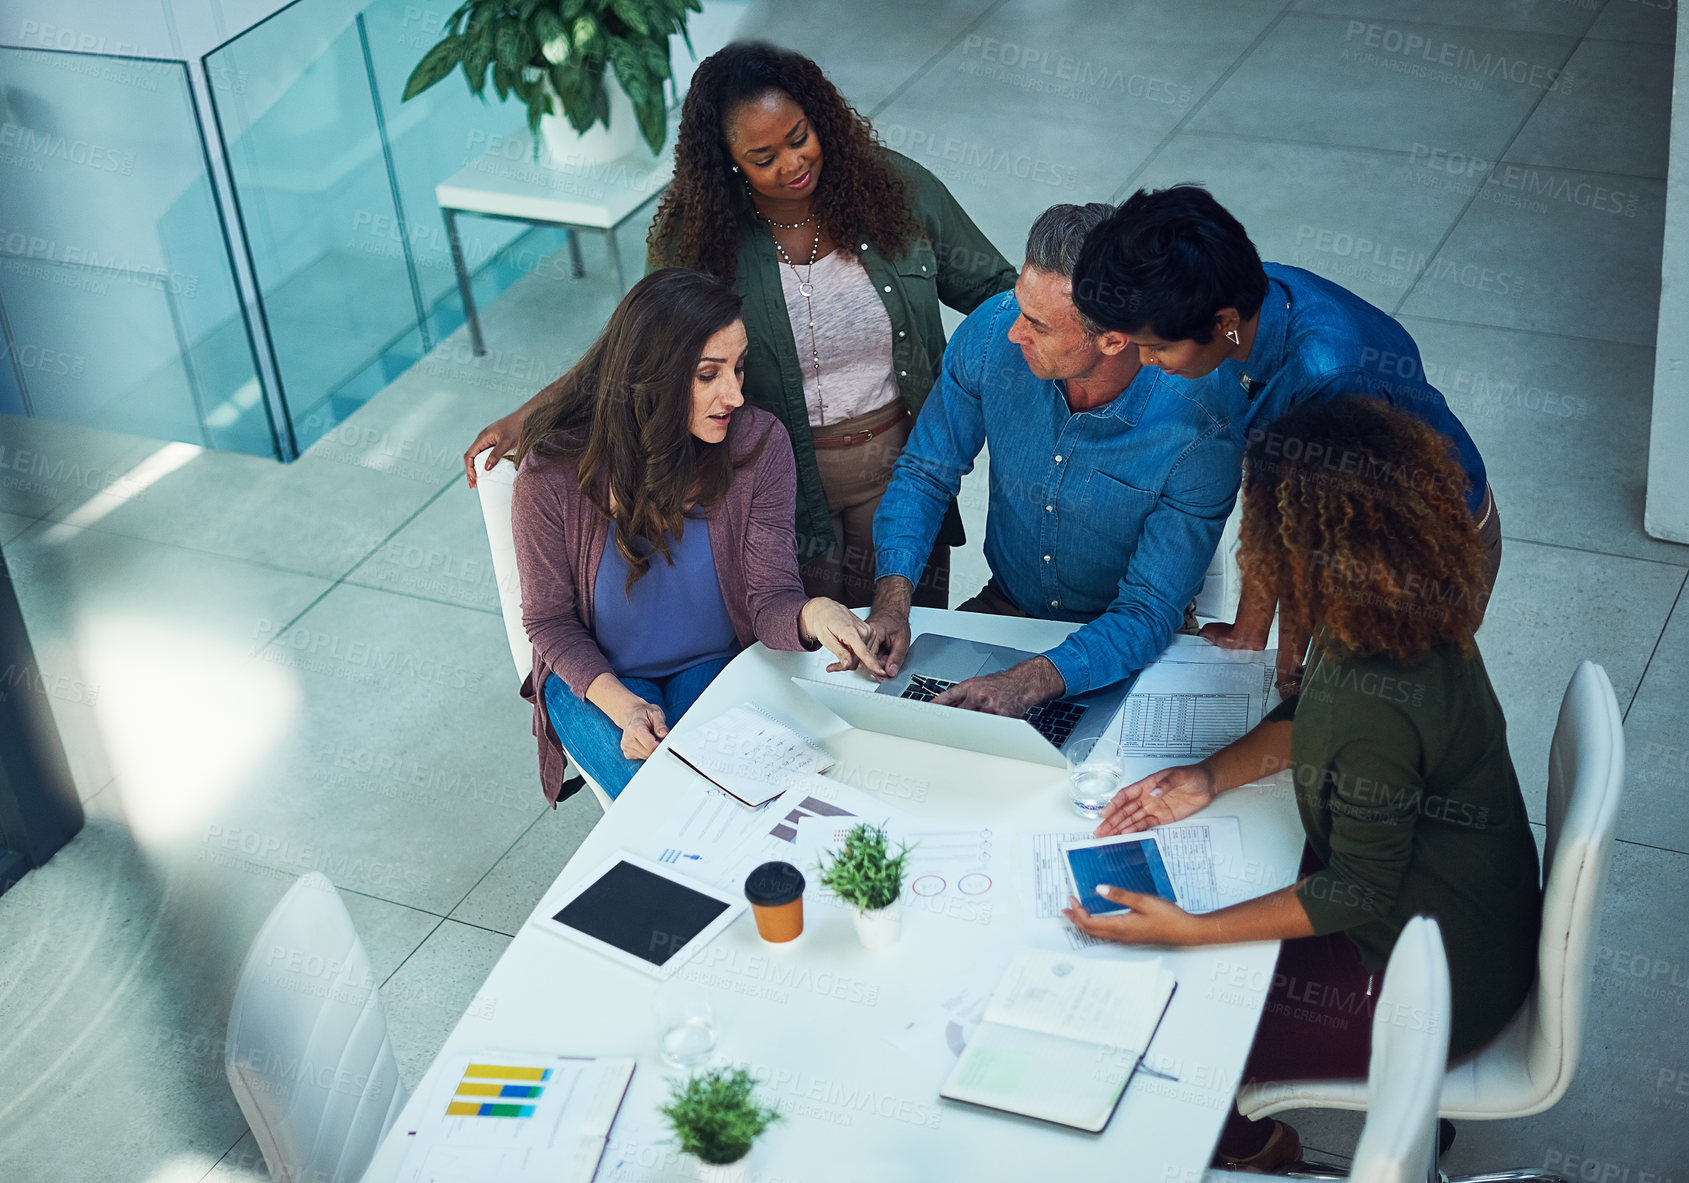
{"x":560,"y":537}
{"x":672,"y":619}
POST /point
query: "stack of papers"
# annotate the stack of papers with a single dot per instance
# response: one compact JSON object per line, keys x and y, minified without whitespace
{"x":1191,"y":702}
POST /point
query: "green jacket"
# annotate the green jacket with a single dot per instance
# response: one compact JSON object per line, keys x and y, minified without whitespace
{"x":956,"y":265}
{"x":1411,"y":805}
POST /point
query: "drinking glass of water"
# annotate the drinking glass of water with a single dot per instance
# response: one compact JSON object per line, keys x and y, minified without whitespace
{"x":687,"y":1023}
{"x":1094,"y":774}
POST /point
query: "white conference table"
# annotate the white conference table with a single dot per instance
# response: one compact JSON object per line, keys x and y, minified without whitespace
{"x":815,"y":1018}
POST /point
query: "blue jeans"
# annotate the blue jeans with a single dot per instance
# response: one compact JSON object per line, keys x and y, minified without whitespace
{"x":595,"y":743}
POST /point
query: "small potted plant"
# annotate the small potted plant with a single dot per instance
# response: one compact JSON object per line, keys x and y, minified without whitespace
{"x":868,"y":877}
{"x":565,"y":58}
{"x":716,"y":1116}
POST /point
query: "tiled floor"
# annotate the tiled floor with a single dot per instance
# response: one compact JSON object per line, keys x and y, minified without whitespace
{"x":266,"y":669}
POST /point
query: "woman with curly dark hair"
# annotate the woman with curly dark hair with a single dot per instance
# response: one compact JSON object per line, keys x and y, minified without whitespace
{"x":843,"y":252}
{"x":1355,"y":515}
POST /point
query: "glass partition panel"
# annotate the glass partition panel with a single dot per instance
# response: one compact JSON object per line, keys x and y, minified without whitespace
{"x":116,"y":293}
{"x":433,"y":136}
{"x":301,"y":132}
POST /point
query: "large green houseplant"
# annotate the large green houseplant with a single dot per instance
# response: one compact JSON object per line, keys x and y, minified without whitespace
{"x":551,"y":53}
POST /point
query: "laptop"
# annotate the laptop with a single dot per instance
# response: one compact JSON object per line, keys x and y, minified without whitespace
{"x":903,"y":705}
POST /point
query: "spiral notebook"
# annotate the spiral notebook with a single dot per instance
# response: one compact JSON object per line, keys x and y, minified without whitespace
{"x":749,"y":754}
{"x":1062,"y":1036}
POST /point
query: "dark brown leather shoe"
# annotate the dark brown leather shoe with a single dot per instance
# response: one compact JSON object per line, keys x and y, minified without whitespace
{"x":1283,"y":1149}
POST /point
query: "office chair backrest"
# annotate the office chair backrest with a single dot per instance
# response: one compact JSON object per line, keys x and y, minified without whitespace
{"x":308,"y":1056}
{"x":1222,"y":584}
{"x":496,"y":489}
{"x":1585,"y":776}
{"x":1410,"y":1051}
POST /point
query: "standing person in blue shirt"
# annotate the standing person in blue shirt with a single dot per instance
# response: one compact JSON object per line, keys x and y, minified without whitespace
{"x":1109,"y":484}
{"x":1174,"y":270}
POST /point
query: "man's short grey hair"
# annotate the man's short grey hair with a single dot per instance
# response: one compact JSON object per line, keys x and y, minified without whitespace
{"x":1054,"y":242}
{"x":1055,"y":238}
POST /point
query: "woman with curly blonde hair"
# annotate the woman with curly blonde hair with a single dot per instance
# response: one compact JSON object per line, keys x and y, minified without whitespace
{"x":843,"y":252}
{"x":1355,"y":516}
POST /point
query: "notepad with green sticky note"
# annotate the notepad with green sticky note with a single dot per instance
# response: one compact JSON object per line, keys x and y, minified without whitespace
{"x":1062,"y":1036}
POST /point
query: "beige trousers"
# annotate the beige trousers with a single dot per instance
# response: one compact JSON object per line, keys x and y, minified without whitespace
{"x":854,"y":478}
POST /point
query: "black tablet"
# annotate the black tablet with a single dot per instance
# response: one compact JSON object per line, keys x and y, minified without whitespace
{"x":642,"y":914}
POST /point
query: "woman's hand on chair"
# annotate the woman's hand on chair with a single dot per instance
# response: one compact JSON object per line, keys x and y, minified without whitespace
{"x":643,"y":729}
{"x":846,"y":635}
{"x":499,"y":437}
{"x":1158,"y":800}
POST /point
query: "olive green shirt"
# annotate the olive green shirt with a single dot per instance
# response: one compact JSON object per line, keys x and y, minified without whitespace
{"x":1411,"y":805}
{"x":955,"y":263}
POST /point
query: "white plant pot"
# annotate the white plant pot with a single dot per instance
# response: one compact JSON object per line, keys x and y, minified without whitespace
{"x":568,"y":148}
{"x":725,"y":1172}
{"x":880,"y":928}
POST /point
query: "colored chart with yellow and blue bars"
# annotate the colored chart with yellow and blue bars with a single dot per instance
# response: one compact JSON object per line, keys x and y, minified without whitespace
{"x":498,"y":1090}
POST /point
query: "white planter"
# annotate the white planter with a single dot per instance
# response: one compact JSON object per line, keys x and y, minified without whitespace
{"x":568,"y":148}
{"x":726,"y":1172}
{"x":880,"y":928}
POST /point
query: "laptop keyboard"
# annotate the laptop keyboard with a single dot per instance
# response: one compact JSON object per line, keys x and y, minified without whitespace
{"x":1054,"y":720}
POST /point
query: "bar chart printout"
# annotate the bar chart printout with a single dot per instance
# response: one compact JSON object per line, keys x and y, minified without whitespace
{"x":518,"y":1118}
{"x":498,"y":1090}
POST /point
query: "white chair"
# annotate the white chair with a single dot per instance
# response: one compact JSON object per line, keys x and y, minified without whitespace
{"x":497,"y":488}
{"x":1410,"y":1049}
{"x":1410,"y":1053}
{"x":1221,"y":586}
{"x":1528,"y":1067}
{"x":308,"y":1056}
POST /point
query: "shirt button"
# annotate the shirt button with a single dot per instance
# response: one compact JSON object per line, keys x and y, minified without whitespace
{"x":900,"y":332}
{"x":1055,"y":603}
{"x":888,"y":287}
{"x":1058,"y":459}
{"x":1046,"y":558}
{"x":1049,"y":509}
{"x":864,"y":246}
{"x":923,"y":266}
{"x":903,"y":373}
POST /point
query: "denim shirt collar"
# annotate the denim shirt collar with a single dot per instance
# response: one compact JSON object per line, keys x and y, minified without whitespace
{"x":1266,"y":352}
{"x":1128,"y":405}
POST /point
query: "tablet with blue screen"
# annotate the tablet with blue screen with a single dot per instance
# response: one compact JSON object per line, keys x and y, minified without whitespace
{"x":1132,"y":861}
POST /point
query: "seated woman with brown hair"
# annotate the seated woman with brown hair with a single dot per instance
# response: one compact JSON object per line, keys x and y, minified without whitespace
{"x":653,"y":523}
{"x":1355,"y":518}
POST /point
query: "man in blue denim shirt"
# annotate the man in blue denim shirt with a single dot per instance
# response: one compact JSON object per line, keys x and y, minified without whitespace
{"x":1177,"y":271}
{"x":1109,"y":483}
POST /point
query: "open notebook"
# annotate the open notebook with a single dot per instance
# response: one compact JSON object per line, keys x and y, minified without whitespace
{"x":1062,"y":1036}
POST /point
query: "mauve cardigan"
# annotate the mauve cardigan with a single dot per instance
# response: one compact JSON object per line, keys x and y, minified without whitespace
{"x":560,"y":539}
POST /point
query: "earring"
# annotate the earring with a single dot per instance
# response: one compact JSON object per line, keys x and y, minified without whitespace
{"x":735,"y":167}
{"x":1231,"y":335}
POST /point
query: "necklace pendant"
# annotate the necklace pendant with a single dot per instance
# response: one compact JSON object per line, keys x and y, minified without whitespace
{"x":806,"y":289}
